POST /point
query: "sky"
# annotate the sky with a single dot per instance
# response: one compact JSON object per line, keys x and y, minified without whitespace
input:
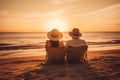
{"x":44,"y":15}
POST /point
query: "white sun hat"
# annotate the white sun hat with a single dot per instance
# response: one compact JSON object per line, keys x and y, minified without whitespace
{"x":54,"y":35}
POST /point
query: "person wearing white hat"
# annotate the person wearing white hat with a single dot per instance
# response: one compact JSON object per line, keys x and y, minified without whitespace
{"x":54,"y":39}
{"x":75,"y":41}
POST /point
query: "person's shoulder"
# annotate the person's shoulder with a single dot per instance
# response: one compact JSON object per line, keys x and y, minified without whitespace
{"x":47,"y":40}
{"x":61,"y":41}
{"x":82,"y":40}
{"x":48,"y":44}
{"x":68,"y":41}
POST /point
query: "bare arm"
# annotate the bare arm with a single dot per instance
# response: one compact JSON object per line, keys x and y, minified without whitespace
{"x":47,"y":44}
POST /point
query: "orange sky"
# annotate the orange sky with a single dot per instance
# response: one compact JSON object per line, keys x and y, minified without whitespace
{"x":43,"y":15}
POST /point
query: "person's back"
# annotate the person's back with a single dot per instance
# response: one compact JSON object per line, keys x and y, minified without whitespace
{"x":76,"y":44}
{"x":54,"y":47}
{"x":75,"y":41}
{"x":54,"y":44}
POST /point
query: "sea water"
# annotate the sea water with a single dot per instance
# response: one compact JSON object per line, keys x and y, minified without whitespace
{"x":19,"y":44}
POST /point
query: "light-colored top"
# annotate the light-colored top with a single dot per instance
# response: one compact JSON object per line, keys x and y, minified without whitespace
{"x":76,"y":43}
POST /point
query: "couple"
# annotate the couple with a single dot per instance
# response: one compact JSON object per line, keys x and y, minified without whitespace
{"x":55,"y":36}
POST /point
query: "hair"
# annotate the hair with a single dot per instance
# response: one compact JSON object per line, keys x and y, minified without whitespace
{"x":54,"y":43}
{"x":75,"y":38}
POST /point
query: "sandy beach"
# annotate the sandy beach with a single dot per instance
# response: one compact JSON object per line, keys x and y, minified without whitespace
{"x":101,"y":65}
{"x":29,"y":27}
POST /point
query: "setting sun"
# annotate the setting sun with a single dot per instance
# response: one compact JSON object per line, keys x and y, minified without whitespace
{"x":63,"y":39}
{"x":44,"y":15}
{"x":57,"y":23}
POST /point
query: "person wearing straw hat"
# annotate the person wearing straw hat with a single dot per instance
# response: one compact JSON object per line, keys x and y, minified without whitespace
{"x":76,"y":48}
{"x":75,"y":41}
{"x":54,"y":38}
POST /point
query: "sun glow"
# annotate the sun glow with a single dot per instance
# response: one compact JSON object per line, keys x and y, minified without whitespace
{"x":61,"y":25}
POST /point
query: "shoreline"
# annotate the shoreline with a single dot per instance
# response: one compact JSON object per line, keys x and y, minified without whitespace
{"x":90,"y":54}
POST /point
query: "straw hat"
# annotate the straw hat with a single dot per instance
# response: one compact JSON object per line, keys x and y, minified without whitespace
{"x":75,"y":33}
{"x":54,"y":35}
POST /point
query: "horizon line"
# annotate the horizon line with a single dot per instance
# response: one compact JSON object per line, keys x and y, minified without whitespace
{"x":66,"y":31}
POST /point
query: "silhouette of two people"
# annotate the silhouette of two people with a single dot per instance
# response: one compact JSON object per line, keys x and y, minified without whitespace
{"x":55,"y":41}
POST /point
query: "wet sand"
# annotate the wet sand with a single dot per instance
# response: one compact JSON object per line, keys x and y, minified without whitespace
{"x":101,"y":65}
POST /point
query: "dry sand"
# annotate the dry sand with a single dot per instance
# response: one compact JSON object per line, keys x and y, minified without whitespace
{"x":101,"y":65}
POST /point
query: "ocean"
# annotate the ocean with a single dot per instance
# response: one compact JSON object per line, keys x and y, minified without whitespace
{"x":20,"y":44}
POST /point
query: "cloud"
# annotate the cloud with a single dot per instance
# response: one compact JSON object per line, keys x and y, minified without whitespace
{"x":106,"y":16}
{"x":58,"y":2}
{"x":45,"y":14}
{"x":32,"y":14}
{"x":4,"y":12}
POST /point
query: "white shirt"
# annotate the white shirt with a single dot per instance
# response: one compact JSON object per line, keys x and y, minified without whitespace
{"x":76,"y":43}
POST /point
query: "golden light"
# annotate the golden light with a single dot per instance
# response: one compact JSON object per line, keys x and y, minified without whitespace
{"x":59,"y":24}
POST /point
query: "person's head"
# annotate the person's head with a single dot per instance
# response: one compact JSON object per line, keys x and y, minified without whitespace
{"x":54,"y":35}
{"x":75,"y":33}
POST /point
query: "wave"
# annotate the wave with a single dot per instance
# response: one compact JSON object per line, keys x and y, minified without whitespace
{"x":4,"y":44}
{"x":40,"y":45}
{"x":116,"y":41}
{"x":17,"y":47}
{"x":108,"y":42}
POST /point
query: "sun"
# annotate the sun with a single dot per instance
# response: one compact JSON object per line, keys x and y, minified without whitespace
{"x":59,"y":24}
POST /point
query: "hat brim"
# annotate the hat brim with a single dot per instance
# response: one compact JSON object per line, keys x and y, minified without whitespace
{"x":54,"y":38}
{"x":73,"y":36}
